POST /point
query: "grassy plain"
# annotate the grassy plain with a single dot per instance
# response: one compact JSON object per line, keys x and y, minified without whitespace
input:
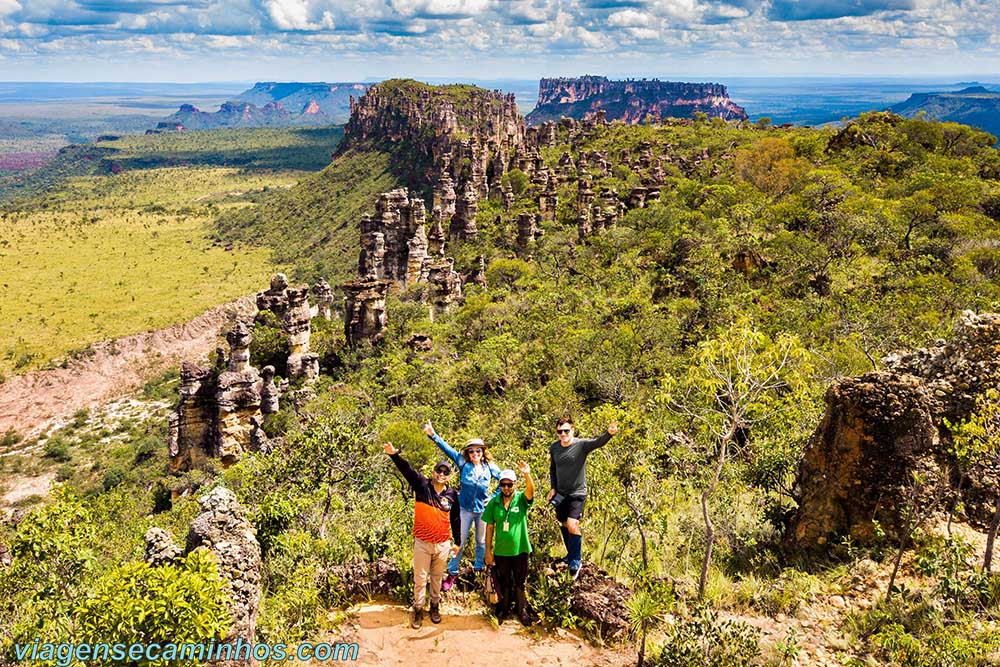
{"x":100,"y":256}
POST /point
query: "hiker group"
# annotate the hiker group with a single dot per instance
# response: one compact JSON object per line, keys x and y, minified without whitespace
{"x":444,"y":517}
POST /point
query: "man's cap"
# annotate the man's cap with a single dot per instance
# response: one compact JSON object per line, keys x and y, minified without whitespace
{"x":474,"y":442}
{"x":443,"y":464}
{"x":508,"y":475}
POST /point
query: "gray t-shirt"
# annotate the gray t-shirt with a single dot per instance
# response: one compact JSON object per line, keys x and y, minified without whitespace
{"x":568,"y":465}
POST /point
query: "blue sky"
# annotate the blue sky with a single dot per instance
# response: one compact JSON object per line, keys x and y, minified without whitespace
{"x":228,"y":40}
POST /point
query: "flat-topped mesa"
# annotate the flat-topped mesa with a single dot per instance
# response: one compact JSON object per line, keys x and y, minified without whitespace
{"x":631,"y":100}
{"x":470,"y":125}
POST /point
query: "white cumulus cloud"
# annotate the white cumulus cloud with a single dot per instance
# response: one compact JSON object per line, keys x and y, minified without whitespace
{"x":291,"y":15}
{"x":8,"y":7}
{"x":630,"y":18}
{"x":440,"y":8}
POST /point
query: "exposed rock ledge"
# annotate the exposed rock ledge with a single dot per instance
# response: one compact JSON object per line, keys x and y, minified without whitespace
{"x":33,"y":402}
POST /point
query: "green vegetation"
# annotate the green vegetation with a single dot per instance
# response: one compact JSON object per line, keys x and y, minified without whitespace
{"x":81,"y":271}
{"x":80,"y":244}
{"x":708,"y":326}
{"x":315,"y":224}
{"x":306,"y":149}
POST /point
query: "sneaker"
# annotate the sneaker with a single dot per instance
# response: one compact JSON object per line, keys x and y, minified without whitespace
{"x":575,"y":573}
{"x":448,"y":582}
{"x":525,"y":619}
{"x":418,"y":618}
{"x":435,"y":613}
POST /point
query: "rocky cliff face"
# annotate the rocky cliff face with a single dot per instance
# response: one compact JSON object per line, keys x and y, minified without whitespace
{"x":465,"y":133}
{"x":631,"y":100}
{"x":882,"y":428}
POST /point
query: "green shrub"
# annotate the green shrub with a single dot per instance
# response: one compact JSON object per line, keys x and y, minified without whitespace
{"x":65,"y":472}
{"x":10,"y":438}
{"x":170,"y":604}
{"x":57,"y":448}
{"x":704,"y":641}
{"x":146,"y":448}
{"x":113,"y":477}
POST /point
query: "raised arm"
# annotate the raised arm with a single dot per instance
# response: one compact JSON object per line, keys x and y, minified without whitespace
{"x":529,"y":484}
{"x":601,"y":440}
{"x":414,"y":478}
{"x":442,"y":445}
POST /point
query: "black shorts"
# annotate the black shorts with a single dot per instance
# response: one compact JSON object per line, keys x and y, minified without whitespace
{"x":571,"y":507}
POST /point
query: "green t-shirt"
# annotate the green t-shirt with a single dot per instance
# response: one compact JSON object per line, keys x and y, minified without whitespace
{"x":510,"y":524}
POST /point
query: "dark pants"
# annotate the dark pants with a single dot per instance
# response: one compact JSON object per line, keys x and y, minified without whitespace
{"x":511,"y":572}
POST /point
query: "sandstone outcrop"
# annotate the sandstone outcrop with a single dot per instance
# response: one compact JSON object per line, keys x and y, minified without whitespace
{"x":881,"y":428}
{"x":223,"y":528}
{"x":160,"y":548}
{"x":213,"y":418}
{"x":446,"y":285}
{"x":632,"y":101}
{"x":456,"y":133}
{"x":324,"y":300}
{"x":302,"y":364}
{"x":275,"y":297}
{"x":364,"y":310}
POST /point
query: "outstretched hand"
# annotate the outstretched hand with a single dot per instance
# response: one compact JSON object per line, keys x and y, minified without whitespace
{"x":389,"y":449}
{"x":613,"y":428}
{"x":428,"y":429}
{"x":524,"y":468}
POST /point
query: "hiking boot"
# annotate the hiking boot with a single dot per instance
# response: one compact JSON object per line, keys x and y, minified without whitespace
{"x":418,"y":618}
{"x":575,"y":573}
{"x":448,"y":582}
{"x":435,"y":613}
{"x":500,"y":613}
{"x":525,"y":619}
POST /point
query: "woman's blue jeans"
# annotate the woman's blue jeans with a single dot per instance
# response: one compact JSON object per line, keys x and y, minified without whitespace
{"x":468,"y":519}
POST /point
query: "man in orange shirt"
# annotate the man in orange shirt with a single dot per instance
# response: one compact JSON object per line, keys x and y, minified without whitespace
{"x":436,"y":522}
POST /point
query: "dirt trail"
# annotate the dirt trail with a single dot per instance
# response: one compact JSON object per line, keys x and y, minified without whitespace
{"x":385,"y":638}
{"x":31,"y":403}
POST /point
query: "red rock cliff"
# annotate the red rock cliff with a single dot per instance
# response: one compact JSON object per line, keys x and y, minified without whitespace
{"x":632,"y":100}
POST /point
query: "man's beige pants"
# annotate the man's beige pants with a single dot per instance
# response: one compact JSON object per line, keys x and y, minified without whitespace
{"x":429,"y":560}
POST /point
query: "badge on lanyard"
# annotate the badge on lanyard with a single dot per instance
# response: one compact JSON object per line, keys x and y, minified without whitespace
{"x":506,"y":526}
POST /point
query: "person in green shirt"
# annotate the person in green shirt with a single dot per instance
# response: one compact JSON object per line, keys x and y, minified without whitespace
{"x":507,"y":545}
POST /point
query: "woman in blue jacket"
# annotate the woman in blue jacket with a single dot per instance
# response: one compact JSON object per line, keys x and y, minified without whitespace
{"x":475,"y":470}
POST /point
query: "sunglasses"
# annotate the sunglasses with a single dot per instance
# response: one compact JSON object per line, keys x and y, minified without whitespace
{"x":506,"y":485}
{"x":563,"y":430}
{"x":442,"y":471}
{"x":475,"y":451}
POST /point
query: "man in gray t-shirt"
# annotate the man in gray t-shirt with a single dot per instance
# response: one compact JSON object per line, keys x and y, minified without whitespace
{"x":568,"y":478}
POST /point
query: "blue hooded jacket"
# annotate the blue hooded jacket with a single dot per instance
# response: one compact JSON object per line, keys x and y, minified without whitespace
{"x":474,"y":491}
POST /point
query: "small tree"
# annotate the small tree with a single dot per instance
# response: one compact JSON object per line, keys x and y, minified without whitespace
{"x":977,"y":445}
{"x":740,"y":380}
